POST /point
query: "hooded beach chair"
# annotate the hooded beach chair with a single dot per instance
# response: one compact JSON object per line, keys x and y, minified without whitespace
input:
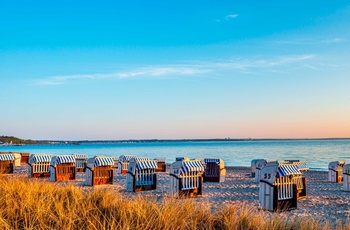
{"x":253,"y":165}
{"x":141,"y":175}
{"x":99,"y":170}
{"x":335,"y":171}
{"x":62,"y":168}
{"x":161,"y":163}
{"x":6,"y":163}
{"x":80,"y":162}
{"x":278,"y":188}
{"x":186,"y":178}
{"x":123,"y":163}
{"x":24,"y":158}
{"x":39,"y":165}
{"x":215,"y":170}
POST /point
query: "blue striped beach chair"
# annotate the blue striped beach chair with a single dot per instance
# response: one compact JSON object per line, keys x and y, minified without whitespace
{"x":62,"y":168}
{"x":80,"y":162}
{"x":278,"y":189}
{"x":39,"y":165}
{"x":215,"y":170}
{"x":123,"y":163}
{"x":186,"y":178}
{"x":141,"y":175}
{"x":6,"y":163}
{"x":99,"y":170}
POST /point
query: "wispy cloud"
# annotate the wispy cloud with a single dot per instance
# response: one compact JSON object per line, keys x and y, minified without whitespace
{"x":231,"y":16}
{"x":141,"y":72}
{"x":312,"y":41}
{"x":261,"y":63}
{"x":226,"y":18}
{"x":255,"y":65}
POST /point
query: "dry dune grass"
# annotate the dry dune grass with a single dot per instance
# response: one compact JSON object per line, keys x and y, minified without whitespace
{"x":32,"y":204}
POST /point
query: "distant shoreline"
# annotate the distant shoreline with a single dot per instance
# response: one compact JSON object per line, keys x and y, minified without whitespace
{"x":197,"y":140}
{"x":65,"y":142}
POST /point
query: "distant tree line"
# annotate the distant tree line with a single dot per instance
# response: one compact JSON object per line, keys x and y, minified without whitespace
{"x":16,"y":140}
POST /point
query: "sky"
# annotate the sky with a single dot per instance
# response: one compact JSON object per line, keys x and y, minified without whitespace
{"x":114,"y":70}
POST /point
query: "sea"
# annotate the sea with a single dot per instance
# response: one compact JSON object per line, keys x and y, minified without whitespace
{"x":316,"y":153}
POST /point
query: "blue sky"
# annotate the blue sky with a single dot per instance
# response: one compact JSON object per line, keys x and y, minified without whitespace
{"x":174,"y":69}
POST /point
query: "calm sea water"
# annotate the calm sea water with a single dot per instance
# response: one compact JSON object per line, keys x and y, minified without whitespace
{"x":316,"y":153}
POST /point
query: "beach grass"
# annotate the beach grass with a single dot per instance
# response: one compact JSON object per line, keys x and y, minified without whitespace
{"x":34,"y":204}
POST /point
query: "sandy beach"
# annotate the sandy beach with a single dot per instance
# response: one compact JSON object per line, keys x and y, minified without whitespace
{"x":325,"y":200}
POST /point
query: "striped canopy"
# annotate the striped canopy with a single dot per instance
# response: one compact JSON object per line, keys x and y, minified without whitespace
{"x":141,"y":158}
{"x":39,"y":158}
{"x":80,"y":156}
{"x":286,"y":170}
{"x":125,"y":158}
{"x":210,"y":160}
{"x":146,"y":164}
{"x":192,"y":166}
{"x":61,"y":159}
{"x":302,"y":166}
{"x":104,"y":161}
{"x":7,"y":157}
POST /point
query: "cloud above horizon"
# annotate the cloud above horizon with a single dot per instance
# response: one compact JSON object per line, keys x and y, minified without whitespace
{"x":231,"y":16}
{"x":199,"y":68}
{"x":140,"y":72}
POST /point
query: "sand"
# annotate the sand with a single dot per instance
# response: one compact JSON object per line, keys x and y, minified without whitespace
{"x":326,"y":201}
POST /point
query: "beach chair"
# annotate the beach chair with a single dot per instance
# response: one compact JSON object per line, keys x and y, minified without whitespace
{"x":123,"y":163}
{"x":335,"y":171}
{"x":62,"y":168}
{"x":186,"y":178}
{"x":99,"y":170}
{"x":141,"y":175}
{"x":24,"y":158}
{"x":80,"y":162}
{"x":253,"y":166}
{"x":299,"y":180}
{"x":39,"y":165}
{"x":17,"y":160}
{"x":278,"y":188}
{"x":116,"y":161}
{"x":256,"y":167}
{"x":301,"y":166}
{"x":6,"y":163}
{"x":215,"y":170}
{"x":161,"y":163}
{"x":346,"y":177}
